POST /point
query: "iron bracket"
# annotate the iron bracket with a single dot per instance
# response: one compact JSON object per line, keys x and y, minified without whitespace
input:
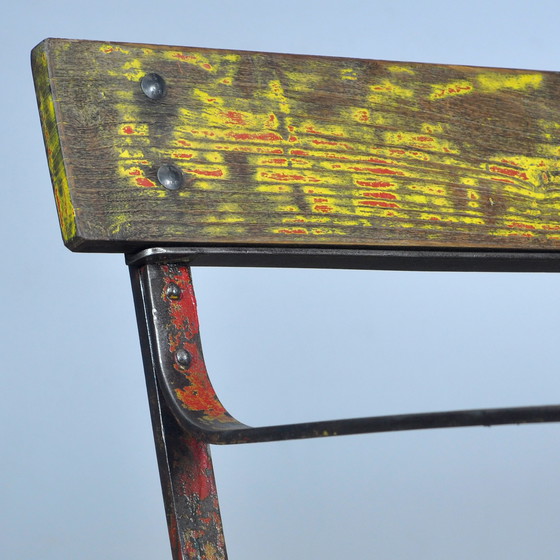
{"x":168,"y":315}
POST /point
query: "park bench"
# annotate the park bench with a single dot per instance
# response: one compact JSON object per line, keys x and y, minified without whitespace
{"x":183,"y":157}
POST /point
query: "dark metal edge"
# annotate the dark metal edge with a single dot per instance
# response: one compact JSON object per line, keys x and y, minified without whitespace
{"x":357,"y":259}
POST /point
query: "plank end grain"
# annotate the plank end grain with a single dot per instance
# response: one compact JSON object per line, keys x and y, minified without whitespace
{"x":276,"y":150}
{"x":53,"y":146}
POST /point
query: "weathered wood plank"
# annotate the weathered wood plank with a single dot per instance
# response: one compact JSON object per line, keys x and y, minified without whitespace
{"x":297,"y":150}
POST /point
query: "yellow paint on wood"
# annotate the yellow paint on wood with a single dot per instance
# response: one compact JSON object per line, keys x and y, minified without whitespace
{"x":326,"y":149}
{"x":65,"y":208}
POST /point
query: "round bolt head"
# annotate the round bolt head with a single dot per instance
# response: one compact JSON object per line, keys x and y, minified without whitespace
{"x":153,"y":86}
{"x":170,"y":177}
{"x":173,"y":291}
{"x":183,"y":358}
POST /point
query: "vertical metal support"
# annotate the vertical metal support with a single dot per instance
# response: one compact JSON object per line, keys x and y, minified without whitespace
{"x":185,"y":465}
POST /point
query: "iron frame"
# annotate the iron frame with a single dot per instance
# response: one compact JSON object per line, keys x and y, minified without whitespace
{"x":187,"y":415}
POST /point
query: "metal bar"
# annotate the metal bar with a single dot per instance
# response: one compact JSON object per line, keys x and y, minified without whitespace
{"x":365,"y":259}
{"x":177,"y":359}
{"x":185,"y":465}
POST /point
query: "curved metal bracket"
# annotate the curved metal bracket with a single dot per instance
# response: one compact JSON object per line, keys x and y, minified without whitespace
{"x":169,"y":328}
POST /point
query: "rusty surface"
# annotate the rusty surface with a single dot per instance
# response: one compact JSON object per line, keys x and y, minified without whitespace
{"x":185,"y":464}
{"x":172,"y":327}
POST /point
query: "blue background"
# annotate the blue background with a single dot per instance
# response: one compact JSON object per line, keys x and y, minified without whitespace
{"x":78,"y":470}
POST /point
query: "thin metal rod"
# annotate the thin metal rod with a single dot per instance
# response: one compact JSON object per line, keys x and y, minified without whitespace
{"x":391,"y":423}
{"x":353,"y":258}
{"x":177,"y":360}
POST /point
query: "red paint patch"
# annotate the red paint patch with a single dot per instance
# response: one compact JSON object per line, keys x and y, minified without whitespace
{"x":207,"y":133}
{"x":451,"y":91}
{"x":312,"y":130}
{"x":207,"y":173}
{"x":336,"y":156}
{"x":509,"y":162}
{"x":386,"y":195}
{"x":520,"y":225}
{"x":379,"y":203}
{"x":324,"y":208}
{"x":331,"y":143}
{"x":362,"y":116}
{"x":128,"y":129}
{"x":299,"y":152}
{"x":288,"y":177}
{"x":135,"y":172}
{"x":234,"y":117}
{"x":265,"y":137}
{"x":375,"y":184}
{"x":509,"y":172}
{"x":295,"y":231}
{"x":376,"y":170}
{"x":184,"y":57}
{"x":143,"y":182}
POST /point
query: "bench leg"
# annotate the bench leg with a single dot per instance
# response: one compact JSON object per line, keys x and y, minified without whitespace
{"x":185,"y":465}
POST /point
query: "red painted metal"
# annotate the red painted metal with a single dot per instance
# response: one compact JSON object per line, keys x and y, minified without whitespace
{"x":185,"y":464}
{"x":171,"y":321}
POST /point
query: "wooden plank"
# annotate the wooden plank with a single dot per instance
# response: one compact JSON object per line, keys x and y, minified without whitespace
{"x":285,"y":150}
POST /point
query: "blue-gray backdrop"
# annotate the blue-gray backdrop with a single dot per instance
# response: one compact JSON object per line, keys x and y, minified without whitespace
{"x":78,"y":472}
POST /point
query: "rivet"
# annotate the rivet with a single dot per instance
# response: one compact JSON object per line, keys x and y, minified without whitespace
{"x":153,"y":86}
{"x":183,"y":358}
{"x":173,"y":291}
{"x":170,"y":177}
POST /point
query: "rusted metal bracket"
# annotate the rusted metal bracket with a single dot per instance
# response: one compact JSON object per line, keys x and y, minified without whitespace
{"x":169,"y":319}
{"x":185,"y":465}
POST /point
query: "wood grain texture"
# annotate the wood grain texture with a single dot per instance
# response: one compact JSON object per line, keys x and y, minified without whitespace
{"x":301,"y":151}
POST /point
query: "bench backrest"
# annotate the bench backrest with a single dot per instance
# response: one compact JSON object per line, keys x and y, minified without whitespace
{"x":172,"y":146}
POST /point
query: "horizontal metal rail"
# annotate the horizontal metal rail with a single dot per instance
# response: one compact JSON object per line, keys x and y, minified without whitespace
{"x":364,"y":259}
{"x":166,"y":309}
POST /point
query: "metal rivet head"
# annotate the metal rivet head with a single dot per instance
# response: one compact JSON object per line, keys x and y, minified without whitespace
{"x":173,"y":291}
{"x":183,"y":358}
{"x":153,"y":86}
{"x":170,"y":177}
